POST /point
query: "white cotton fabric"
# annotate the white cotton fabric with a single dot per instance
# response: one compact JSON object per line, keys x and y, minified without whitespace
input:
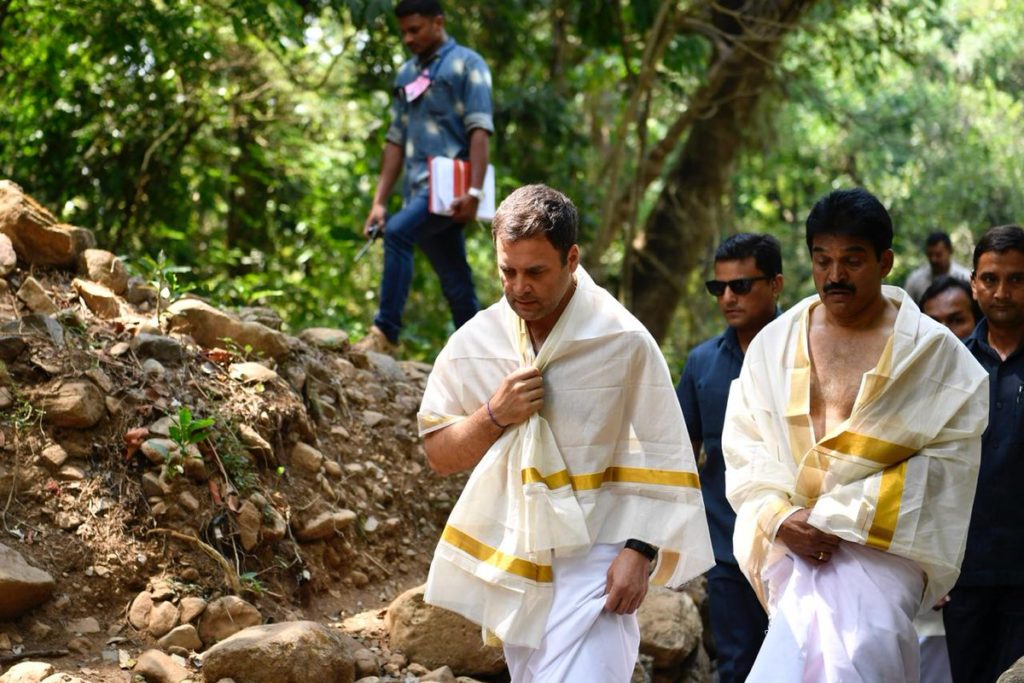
{"x":607,"y":459}
{"x":898,"y":475}
{"x":849,"y":620}
{"x":582,"y":640}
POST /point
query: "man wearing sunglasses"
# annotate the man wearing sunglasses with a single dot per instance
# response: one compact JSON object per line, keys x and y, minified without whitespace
{"x":747,"y":283}
{"x":852,"y":440}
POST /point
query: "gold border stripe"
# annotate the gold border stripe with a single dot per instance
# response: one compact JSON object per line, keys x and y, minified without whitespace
{"x":540,"y":573}
{"x":868,"y":447}
{"x":887,"y":510}
{"x":531,"y":475}
{"x":635,"y":475}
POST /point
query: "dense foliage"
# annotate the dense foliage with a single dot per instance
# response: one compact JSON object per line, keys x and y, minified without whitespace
{"x":243,"y":138}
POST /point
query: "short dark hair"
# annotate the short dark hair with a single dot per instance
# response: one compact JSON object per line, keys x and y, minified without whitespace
{"x":945,"y":282}
{"x":428,"y":8}
{"x":535,"y":210}
{"x":855,"y":213}
{"x":999,"y":239}
{"x":937,"y":237}
{"x":765,"y":250}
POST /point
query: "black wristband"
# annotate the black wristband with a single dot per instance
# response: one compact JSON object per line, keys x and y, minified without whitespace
{"x":645,"y":549}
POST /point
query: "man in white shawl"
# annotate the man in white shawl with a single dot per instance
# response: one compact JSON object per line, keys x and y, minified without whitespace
{"x":852,"y":440}
{"x":583,"y":471}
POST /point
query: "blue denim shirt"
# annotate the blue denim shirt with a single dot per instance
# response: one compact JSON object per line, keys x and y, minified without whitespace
{"x":703,"y":392}
{"x":439,"y":121}
{"x":995,"y":542}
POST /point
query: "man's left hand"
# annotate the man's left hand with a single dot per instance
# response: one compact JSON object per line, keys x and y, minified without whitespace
{"x":464,"y":208}
{"x":627,"y":582}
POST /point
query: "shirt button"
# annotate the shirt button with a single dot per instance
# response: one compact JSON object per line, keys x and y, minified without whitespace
{"x":999,"y":404}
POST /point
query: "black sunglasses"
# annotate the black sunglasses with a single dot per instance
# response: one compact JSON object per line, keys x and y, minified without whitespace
{"x":741,"y":285}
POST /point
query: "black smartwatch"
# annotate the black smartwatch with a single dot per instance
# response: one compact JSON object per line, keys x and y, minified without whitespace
{"x":645,"y":549}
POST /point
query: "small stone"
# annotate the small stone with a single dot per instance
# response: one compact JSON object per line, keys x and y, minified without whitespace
{"x":191,"y":607}
{"x":105,"y":268}
{"x":11,"y":346}
{"x":40,"y":630}
{"x":162,"y":618}
{"x":325,"y":338}
{"x":188,"y":501}
{"x":161,"y":348}
{"x":415,"y":669}
{"x":442,"y":675}
{"x":36,"y":298}
{"x":372,"y":418}
{"x":225,"y":617}
{"x":333,"y":469}
{"x":80,"y":645}
{"x":157,"y":667}
{"x":76,"y":404}
{"x":159,"y":451}
{"x":54,"y":456}
{"x":162,"y":589}
{"x":184,"y":636}
{"x":325,"y":525}
{"x":27,"y":672}
{"x":249,"y":522}
{"x":154,"y":485}
{"x":152,"y":369}
{"x":71,"y":473}
{"x":359,"y":579}
{"x":119,"y":349}
{"x":8,"y":257}
{"x":367,"y":663}
{"x":84,"y":626}
{"x":98,"y":299}
{"x":138,"y":613}
{"x":195,"y":468}
{"x":307,"y":458}
{"x":251,"y":373}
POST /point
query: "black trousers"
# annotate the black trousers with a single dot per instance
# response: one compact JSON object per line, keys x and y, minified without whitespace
{"x":984,"y":631}
{"x":738,"y":622}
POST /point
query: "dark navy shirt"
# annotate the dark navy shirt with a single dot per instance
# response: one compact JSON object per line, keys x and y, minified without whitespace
{"x":703,"y":393}
{"x":995,"y":542}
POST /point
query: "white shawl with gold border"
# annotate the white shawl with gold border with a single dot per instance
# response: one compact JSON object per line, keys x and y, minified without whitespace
{"x":898,"y":475}
{"x":607,"y":459}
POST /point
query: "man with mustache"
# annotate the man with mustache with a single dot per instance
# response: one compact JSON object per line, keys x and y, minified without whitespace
{"x":562,"y":403}
{"x":985,"y":615}
{"x":747,"y":284}
{"x":852,"y":441}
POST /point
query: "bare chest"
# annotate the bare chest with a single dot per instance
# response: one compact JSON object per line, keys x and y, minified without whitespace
{"x":838,"y":366}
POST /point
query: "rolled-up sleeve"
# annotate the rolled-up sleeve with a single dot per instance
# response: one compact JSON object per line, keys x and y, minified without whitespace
{"x":476,"y":96}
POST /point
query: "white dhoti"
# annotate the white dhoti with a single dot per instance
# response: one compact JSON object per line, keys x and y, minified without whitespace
{"x":582,"y":640}
{"x":849,"y":620}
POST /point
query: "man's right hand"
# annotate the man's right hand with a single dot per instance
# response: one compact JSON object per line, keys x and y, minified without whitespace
{"x":810,"y":543}
{"x":520,"y":395}
{"x":378,"y":216}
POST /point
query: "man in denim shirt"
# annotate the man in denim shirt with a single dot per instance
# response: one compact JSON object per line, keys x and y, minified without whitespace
{"x":748,"y":280}
{"x":442,"y":107}
{"x":985,"y":615}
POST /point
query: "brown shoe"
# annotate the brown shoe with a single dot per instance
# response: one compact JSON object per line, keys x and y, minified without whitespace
{"x":377,"y":341}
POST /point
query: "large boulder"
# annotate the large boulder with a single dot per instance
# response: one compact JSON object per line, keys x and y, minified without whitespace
{"x":37,"y":237}
{"x":225,"y":617}
{"x":210,"y":327}
{"x":288,"y":652}
{"x":434,"y":637}
{"x":78,"y":404}
{"x":22,"y":586}
{"x":670,"y":626}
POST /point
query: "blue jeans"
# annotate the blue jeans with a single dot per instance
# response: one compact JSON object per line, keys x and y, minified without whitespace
{"x":442,"y":240}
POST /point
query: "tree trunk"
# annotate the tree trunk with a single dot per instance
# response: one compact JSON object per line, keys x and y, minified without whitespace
{"x":687,"y":214}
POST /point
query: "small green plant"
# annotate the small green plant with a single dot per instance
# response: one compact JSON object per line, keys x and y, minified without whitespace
{"x":245,"y":352}
{"x":188,"y":431}
{"x":251,"y":582}
{"x":162,"y":275}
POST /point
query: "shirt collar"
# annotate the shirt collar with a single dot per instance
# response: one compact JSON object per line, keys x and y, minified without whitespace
{"x":979,"y":340}
{"x":732,"y":342}
{"x":447,"y":46}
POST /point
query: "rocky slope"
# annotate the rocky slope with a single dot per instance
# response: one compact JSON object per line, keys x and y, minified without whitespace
{"x":176,"y":479}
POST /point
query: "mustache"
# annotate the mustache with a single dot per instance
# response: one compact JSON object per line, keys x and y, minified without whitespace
{"x":839,"y":287}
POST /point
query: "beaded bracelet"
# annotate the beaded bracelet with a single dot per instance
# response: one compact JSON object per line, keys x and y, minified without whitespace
{"x":490,"y":414}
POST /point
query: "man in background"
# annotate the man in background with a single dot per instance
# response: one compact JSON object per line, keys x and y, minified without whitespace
{"x":747,"y":284}
{"x":985,"y":615}
{"x":441,"y":107}
{"x":939,"y":250}
{"x":949,"y":301}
